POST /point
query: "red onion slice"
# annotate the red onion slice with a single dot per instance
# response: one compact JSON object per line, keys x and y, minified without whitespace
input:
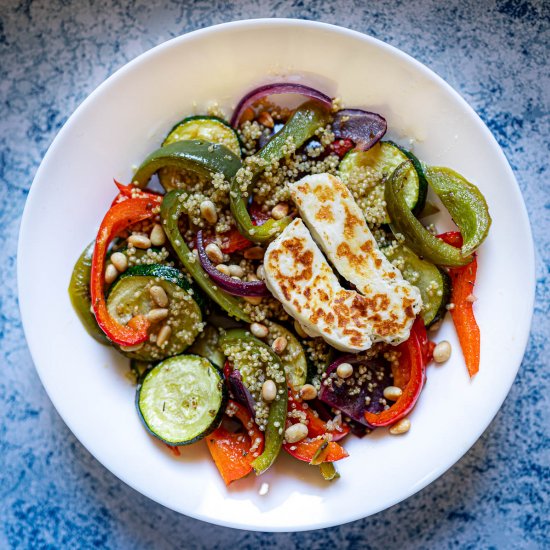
{"x":275,"y":89}
{"x":225,"y":282}
{"x":362,"y":127}
{"x":241,"y":392}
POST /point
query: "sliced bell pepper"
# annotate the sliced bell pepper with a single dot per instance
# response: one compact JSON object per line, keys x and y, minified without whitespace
{"x":277,"y":409}
{"x":119,"y":217}
{"x":462,"y":286}
{"x":171,"y":210}
{"x":233,"y":241}
{"x":130,"y":192}
{"x":411,"y":360}
{"x":465,"y":203}
{"x":316,"y":451}
{"x":231,"y":451}
{"x":404,"y":224}
{"x":301,"y":126}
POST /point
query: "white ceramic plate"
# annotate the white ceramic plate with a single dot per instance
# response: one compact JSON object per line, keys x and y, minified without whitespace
{"x":126,"y":118}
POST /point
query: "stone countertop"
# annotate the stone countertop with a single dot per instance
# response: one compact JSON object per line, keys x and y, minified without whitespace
{"x":53,"y":493}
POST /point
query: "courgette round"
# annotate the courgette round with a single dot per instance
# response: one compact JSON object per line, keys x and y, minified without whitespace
{"x":130,"y":296}
{"x":182,"y":399}
{"x":293,"y":356}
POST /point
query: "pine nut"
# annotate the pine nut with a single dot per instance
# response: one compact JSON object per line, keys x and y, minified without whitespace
{"x":279,"y":211}
{"x":120,"y":261}
{"x":236,"y":271}
{"x":393,"y":393}
{"x":260,"y":273}
{"x":254,"y":253}
{"x":158,"y":237}
{"x":111,"y":274}
{"x":269,"y":390}
{"x":265,"y":119}
{"x":295,"y":433}
{"x":442,"y":352}
{"x":214,"y":253}
{"x":308,"y":392}
{"x":299,"y":330}
{"x":157,"y":314}
{"x":344,"y":370}
{"x":139,"y":241}
{"x":254,"y":300}
{"x":222,"y":268}
{"x":259,"y":330}
{"x":279,"y":345}
{"x":247,"y":116}
{"x":159,"y":296}
{"x":401,"y":427}
{"x":208,"y":211}
{"x":164,"y":333}
{"x":471,"y":298}
{"x":135,"y":347}
{"x":251,"y":277}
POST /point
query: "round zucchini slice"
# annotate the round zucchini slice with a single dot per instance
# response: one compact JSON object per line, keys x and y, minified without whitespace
{"x":131,"y":295}
{"x":207,"y":128}
{"x":365,"y":173}
{"x":182,"y":399}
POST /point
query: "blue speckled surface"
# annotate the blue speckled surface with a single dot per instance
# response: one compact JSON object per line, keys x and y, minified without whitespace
{"x":53,"y":54}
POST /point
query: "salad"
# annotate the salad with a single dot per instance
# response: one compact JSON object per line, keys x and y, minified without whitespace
{"x":272,"y":280}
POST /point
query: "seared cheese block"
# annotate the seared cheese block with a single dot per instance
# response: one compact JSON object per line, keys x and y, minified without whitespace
{"x":299,"y":276}
{"x":339,"y":227}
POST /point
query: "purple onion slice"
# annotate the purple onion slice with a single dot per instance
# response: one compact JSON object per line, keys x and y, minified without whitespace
{"x":240,"y":392}
{"x":225,"y":282}
{"x":275,"y":89}
{"x":362,"y":127}
{"x":361,"y":392}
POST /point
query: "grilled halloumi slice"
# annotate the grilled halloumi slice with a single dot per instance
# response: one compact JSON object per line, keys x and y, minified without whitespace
{"x":339,"y":227}
{"x":299,"y":276}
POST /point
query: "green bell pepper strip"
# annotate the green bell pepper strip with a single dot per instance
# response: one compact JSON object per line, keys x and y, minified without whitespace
{"x":299,"y":128}
{"x":465,"y":203}
{"x":276,"y":420}
{"x":170,"y":212}
{"x":79,"y":293}
{"x":404,"y":225}
{"x":196,"y":155}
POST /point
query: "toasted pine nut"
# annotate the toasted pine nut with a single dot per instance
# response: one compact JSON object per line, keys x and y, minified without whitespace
{"x":295,"y":433}
{"x":401,"y":427}
{"x":157,"y":314}
{"x":393,"y":393}
{"x":132,"y":348}
{"x":159,"y":296}
{"x":254,"y":253}
{"x":260,"y":273}
{"x":344,"y":370}
{"x":442,"y":352}
{"x":259,"y":330}
{"x":157,"y":236}
{"x":164,"y":333}
{"x":236,"y":270}
{"x":222,"y":268}
{"x":208,"y":211}
{"x":247,"y":116}
{"x":111,"y":273}
{"x":269,"y":390}
{"x":308,"y":392}
{"x":214,"y":253}
{"x":471,"y":298}
{"x":279,"y":211}
{"x":254,"y":300}
{"x":279,"y":345}
{"x":265,"y":119}
{"x":251,"y":277}
{"x":299,"y":330}
{"x":139,"y":241}
{"x":120,"y":261}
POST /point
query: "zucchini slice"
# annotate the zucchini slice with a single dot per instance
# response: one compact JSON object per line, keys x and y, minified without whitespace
{"x":206,"y":128}
{"x":182,"y":399}
{"x":293,"y":357}
{"x":365,"y":173}
{"x":432,"y":282}
{"x":130,"y":295}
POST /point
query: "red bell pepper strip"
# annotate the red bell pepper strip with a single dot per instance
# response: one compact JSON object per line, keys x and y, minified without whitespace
{"x":462,"y":286}
{"x":130,"y":191}
{"x":310,"y":450}
{"x":341,"y":146}
{"x":118,"y":218}
{"x":232,"y":451}
{"x":233,"y":241}
{"x":411,"y":360}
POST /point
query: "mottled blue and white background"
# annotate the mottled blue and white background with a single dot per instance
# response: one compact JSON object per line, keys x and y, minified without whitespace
{"x":53,"y":494}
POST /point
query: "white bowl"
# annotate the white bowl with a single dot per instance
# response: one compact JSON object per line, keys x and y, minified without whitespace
{"x":126,"y":118}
